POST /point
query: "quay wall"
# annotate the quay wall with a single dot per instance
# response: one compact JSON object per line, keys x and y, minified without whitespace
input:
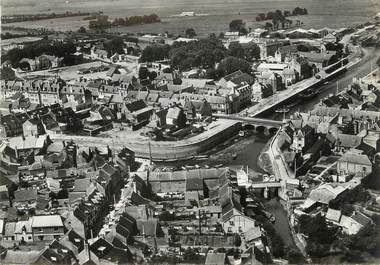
{"x":162,"y":150}
{"x":316,"y":84}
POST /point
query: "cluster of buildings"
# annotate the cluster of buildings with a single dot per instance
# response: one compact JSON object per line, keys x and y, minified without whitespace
{"x":75,"y":205}
{"x":62,"y":195}
{"x":32,"y":108}
{"x":329,"y":153}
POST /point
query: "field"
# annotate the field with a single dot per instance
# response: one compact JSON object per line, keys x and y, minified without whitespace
{"x":332,"y":13}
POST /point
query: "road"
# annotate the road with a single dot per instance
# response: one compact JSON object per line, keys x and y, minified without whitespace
{"x":361,"y":69}
{"x":281,"y":96}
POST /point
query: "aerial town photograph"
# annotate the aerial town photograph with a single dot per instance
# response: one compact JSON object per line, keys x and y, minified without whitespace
{"x":217,"y":132}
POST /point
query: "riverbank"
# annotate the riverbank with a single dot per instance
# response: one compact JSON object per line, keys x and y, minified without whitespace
{"x":264,"y":160}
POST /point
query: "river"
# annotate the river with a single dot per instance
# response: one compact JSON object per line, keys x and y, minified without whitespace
{"x":342,"y":81}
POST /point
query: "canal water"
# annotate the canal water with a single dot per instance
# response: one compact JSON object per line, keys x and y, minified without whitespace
{"x":248,"y":155}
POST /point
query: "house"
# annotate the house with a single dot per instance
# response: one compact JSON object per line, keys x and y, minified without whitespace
{"x":352,"y":225}
{"x":286,"y":51}
{"x":232,"y":218}
{"x":10,"y":125}
{"x":356,"y":164}
{"x":222,"y":104}
{"x":301,"y":67}
{"x":257,"y":93}
{"x":270,"y":78}
{"x":55,"y":253}
{"x":47,"y":227}
{"x":9,"y":231}
{"x":23,"y":231}
{"x":4,"y":196}
{"x":345,"y":142}
{"x":74,"y":242}
{"x":329,"y":38}
{"x":197,"y":109}
{"x":319,"y":60}
{"x":158,"y":119}
{"x":333,"y":215}
{"x":326,"y":192}
{"x":125,"y":159}
{"x":25,"y":200}
{"x":103,"y":252}
{"x":303,"y":139}
{"x":33,"y":127}
{"x":176,"y":116}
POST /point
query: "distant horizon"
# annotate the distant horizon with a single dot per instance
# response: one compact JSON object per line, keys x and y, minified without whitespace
{"x":172,"y":7}
{"x":322,"y":13}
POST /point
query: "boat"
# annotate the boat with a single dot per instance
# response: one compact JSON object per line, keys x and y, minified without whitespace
{"x":325,"y":83}
{"x":234,"y":155}
{"x":241,"y":133}
{"x":308,"y":94}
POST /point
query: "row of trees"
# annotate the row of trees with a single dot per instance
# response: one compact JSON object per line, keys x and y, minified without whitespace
{"x":31,"y":51}
{"x":208,"y":54}
{"x":135,"y":20}
{"x":281,"y":15}
{"x":103,"y":22}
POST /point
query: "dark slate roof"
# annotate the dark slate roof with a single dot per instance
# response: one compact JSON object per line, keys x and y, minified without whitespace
{"x":76,"y":239}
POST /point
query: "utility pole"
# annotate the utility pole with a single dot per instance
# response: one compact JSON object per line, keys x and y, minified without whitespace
{"x":337,"y":87}
{"x":150,"y":153}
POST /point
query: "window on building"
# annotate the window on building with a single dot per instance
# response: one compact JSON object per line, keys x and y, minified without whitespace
{"x":231,"y":222}
{"x":55,"y":228}
{"x":240,"y":229}
{"x":41,"y":229}
{"x":230,"y":229}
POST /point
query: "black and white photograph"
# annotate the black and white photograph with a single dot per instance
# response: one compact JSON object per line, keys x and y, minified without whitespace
{"x":189,"y":132}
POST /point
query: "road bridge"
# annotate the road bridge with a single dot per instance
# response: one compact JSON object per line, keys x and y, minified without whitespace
{"x":265,"y":125}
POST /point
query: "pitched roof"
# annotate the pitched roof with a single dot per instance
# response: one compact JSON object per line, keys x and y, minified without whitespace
{"x":333,"y":215}
{"x":25,"y":195}
{"x":356,"y":159}
{"x":348,"y":140}
{"x":81,"y":184}
{"x":47,"y":221}
{"x":215,"y":258}
{"x":361,"y":218}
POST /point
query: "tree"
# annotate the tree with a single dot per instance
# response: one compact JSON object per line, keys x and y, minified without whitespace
{"x":268,"y":26}
{"x":152,"y":75}
{"x":233,"y":64}
{"x":7,"y":74}
{"x":236,"y":50}
{"x":82,"y":30}
{"x":295,"y":257}
{"x":143,"y":73}
{"x":238,"y":25}
{"x":116,"y":45}
{"x":155,"y":53}
{"x":190,"y":33}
